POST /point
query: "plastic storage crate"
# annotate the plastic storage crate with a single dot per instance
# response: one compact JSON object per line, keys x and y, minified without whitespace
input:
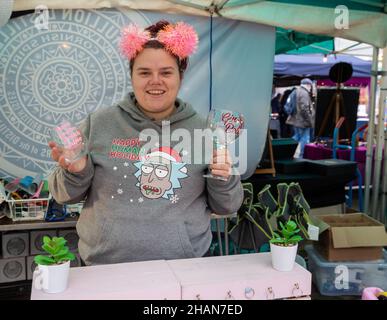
{"x":345,"y":278}
{"x":27,"y":209}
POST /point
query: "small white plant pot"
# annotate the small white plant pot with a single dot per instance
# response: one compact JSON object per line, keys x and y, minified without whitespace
{"x":283,"y":258}
{"x":52,"y":278}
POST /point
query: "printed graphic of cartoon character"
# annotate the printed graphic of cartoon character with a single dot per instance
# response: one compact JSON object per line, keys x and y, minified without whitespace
{"x":159,"y":172}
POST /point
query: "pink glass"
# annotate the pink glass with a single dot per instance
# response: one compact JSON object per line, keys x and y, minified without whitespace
{"x":71,"y":139}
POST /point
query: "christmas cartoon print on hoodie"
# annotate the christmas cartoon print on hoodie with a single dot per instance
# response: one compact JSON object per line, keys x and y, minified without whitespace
{"x":159,"y":173}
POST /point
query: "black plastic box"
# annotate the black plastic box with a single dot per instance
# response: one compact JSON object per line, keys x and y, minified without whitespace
{"x":284,"y":148}
{"x":332,"y":167}
{"x":291,"y":166}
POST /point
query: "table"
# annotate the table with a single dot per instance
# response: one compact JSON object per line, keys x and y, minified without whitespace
{"x":242,"y":277}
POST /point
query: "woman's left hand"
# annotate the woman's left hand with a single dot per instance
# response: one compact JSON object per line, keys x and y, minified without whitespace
{"x":221,"y":163}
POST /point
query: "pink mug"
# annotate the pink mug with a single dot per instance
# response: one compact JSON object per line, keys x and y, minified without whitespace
{"x":370,"y":293}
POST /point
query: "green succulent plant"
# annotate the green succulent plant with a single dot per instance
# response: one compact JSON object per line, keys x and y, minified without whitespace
{"x":57,"y":251}
{"x":287,"y":235}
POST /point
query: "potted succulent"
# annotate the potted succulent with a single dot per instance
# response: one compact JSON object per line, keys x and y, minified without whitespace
{"x":288,"y":214}
{"x":51,"y":273}
{"x":284,"y":245}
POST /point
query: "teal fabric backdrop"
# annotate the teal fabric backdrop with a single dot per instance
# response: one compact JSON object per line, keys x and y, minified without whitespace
{"x":73,"y":68}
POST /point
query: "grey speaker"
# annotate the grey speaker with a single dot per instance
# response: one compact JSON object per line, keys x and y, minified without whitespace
{"x":13,"y":269}
{"x":72,"y":238}
{"x":14,"y":244}
{"x":36,"y":238}
{"x":31,"y":265}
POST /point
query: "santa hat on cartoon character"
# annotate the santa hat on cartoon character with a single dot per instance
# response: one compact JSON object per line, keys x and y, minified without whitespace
{"x":167,"y":153}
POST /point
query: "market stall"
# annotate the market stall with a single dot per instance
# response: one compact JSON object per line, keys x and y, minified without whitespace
{"x":87,"y":32}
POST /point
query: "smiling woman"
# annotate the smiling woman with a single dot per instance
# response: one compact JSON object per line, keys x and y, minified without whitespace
{"x":146,"y":206}
{"x":157,"y":69}
{"x":156,"y":82}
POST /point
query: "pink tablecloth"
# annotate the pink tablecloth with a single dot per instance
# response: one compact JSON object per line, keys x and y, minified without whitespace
{"x":317,"y":152}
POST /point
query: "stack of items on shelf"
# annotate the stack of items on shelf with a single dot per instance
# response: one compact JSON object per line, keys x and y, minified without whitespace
{"x":27,"y":198}
{"x":19,"y":248}
{"x":349,"y":255}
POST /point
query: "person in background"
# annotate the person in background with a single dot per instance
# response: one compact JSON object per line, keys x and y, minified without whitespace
{"x":275,"y":124}
{"x":286,"y":130}
{"x":153,"y":206}
{"x":313,"y":97}
{"x":302,"y":119}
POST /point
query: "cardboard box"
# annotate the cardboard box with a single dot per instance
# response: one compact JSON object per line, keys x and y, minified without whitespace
{"x":350,"y":237}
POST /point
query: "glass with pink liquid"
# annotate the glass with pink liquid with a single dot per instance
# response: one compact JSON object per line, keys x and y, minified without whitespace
{"x":70,"y":139}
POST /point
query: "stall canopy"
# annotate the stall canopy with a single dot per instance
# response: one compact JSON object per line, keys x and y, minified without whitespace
{"x":290,"y":41}
{"x":314,"y":65}
{"x":287,"y":41}
{"x":367,"y":19}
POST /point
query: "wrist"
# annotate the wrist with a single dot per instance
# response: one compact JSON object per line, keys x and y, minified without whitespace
{"x":78,"y":166}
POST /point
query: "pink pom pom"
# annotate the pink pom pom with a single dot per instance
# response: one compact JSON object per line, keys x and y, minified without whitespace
{"x":132,"y":40}
{"x":180,"y":39}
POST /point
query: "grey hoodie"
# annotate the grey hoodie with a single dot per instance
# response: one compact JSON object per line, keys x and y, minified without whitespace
{"x":142,"y":208}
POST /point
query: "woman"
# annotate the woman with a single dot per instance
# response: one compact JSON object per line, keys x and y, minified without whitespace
{"x":153,"y":206}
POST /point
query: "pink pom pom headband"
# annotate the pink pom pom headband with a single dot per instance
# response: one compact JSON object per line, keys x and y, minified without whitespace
{"x":180,"y":39}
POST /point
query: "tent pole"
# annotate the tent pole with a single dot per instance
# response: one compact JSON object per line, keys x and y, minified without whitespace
{"x":378,"y":160}
{"x":383,"y":101}
{"x":370,"y":135}
{"x":382,"y":213}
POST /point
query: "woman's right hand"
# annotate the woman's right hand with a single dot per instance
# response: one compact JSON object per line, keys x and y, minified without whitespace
{"x":57,"y":155}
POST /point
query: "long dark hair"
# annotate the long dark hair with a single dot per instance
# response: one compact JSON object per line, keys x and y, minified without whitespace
{"x":154,"y":29}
